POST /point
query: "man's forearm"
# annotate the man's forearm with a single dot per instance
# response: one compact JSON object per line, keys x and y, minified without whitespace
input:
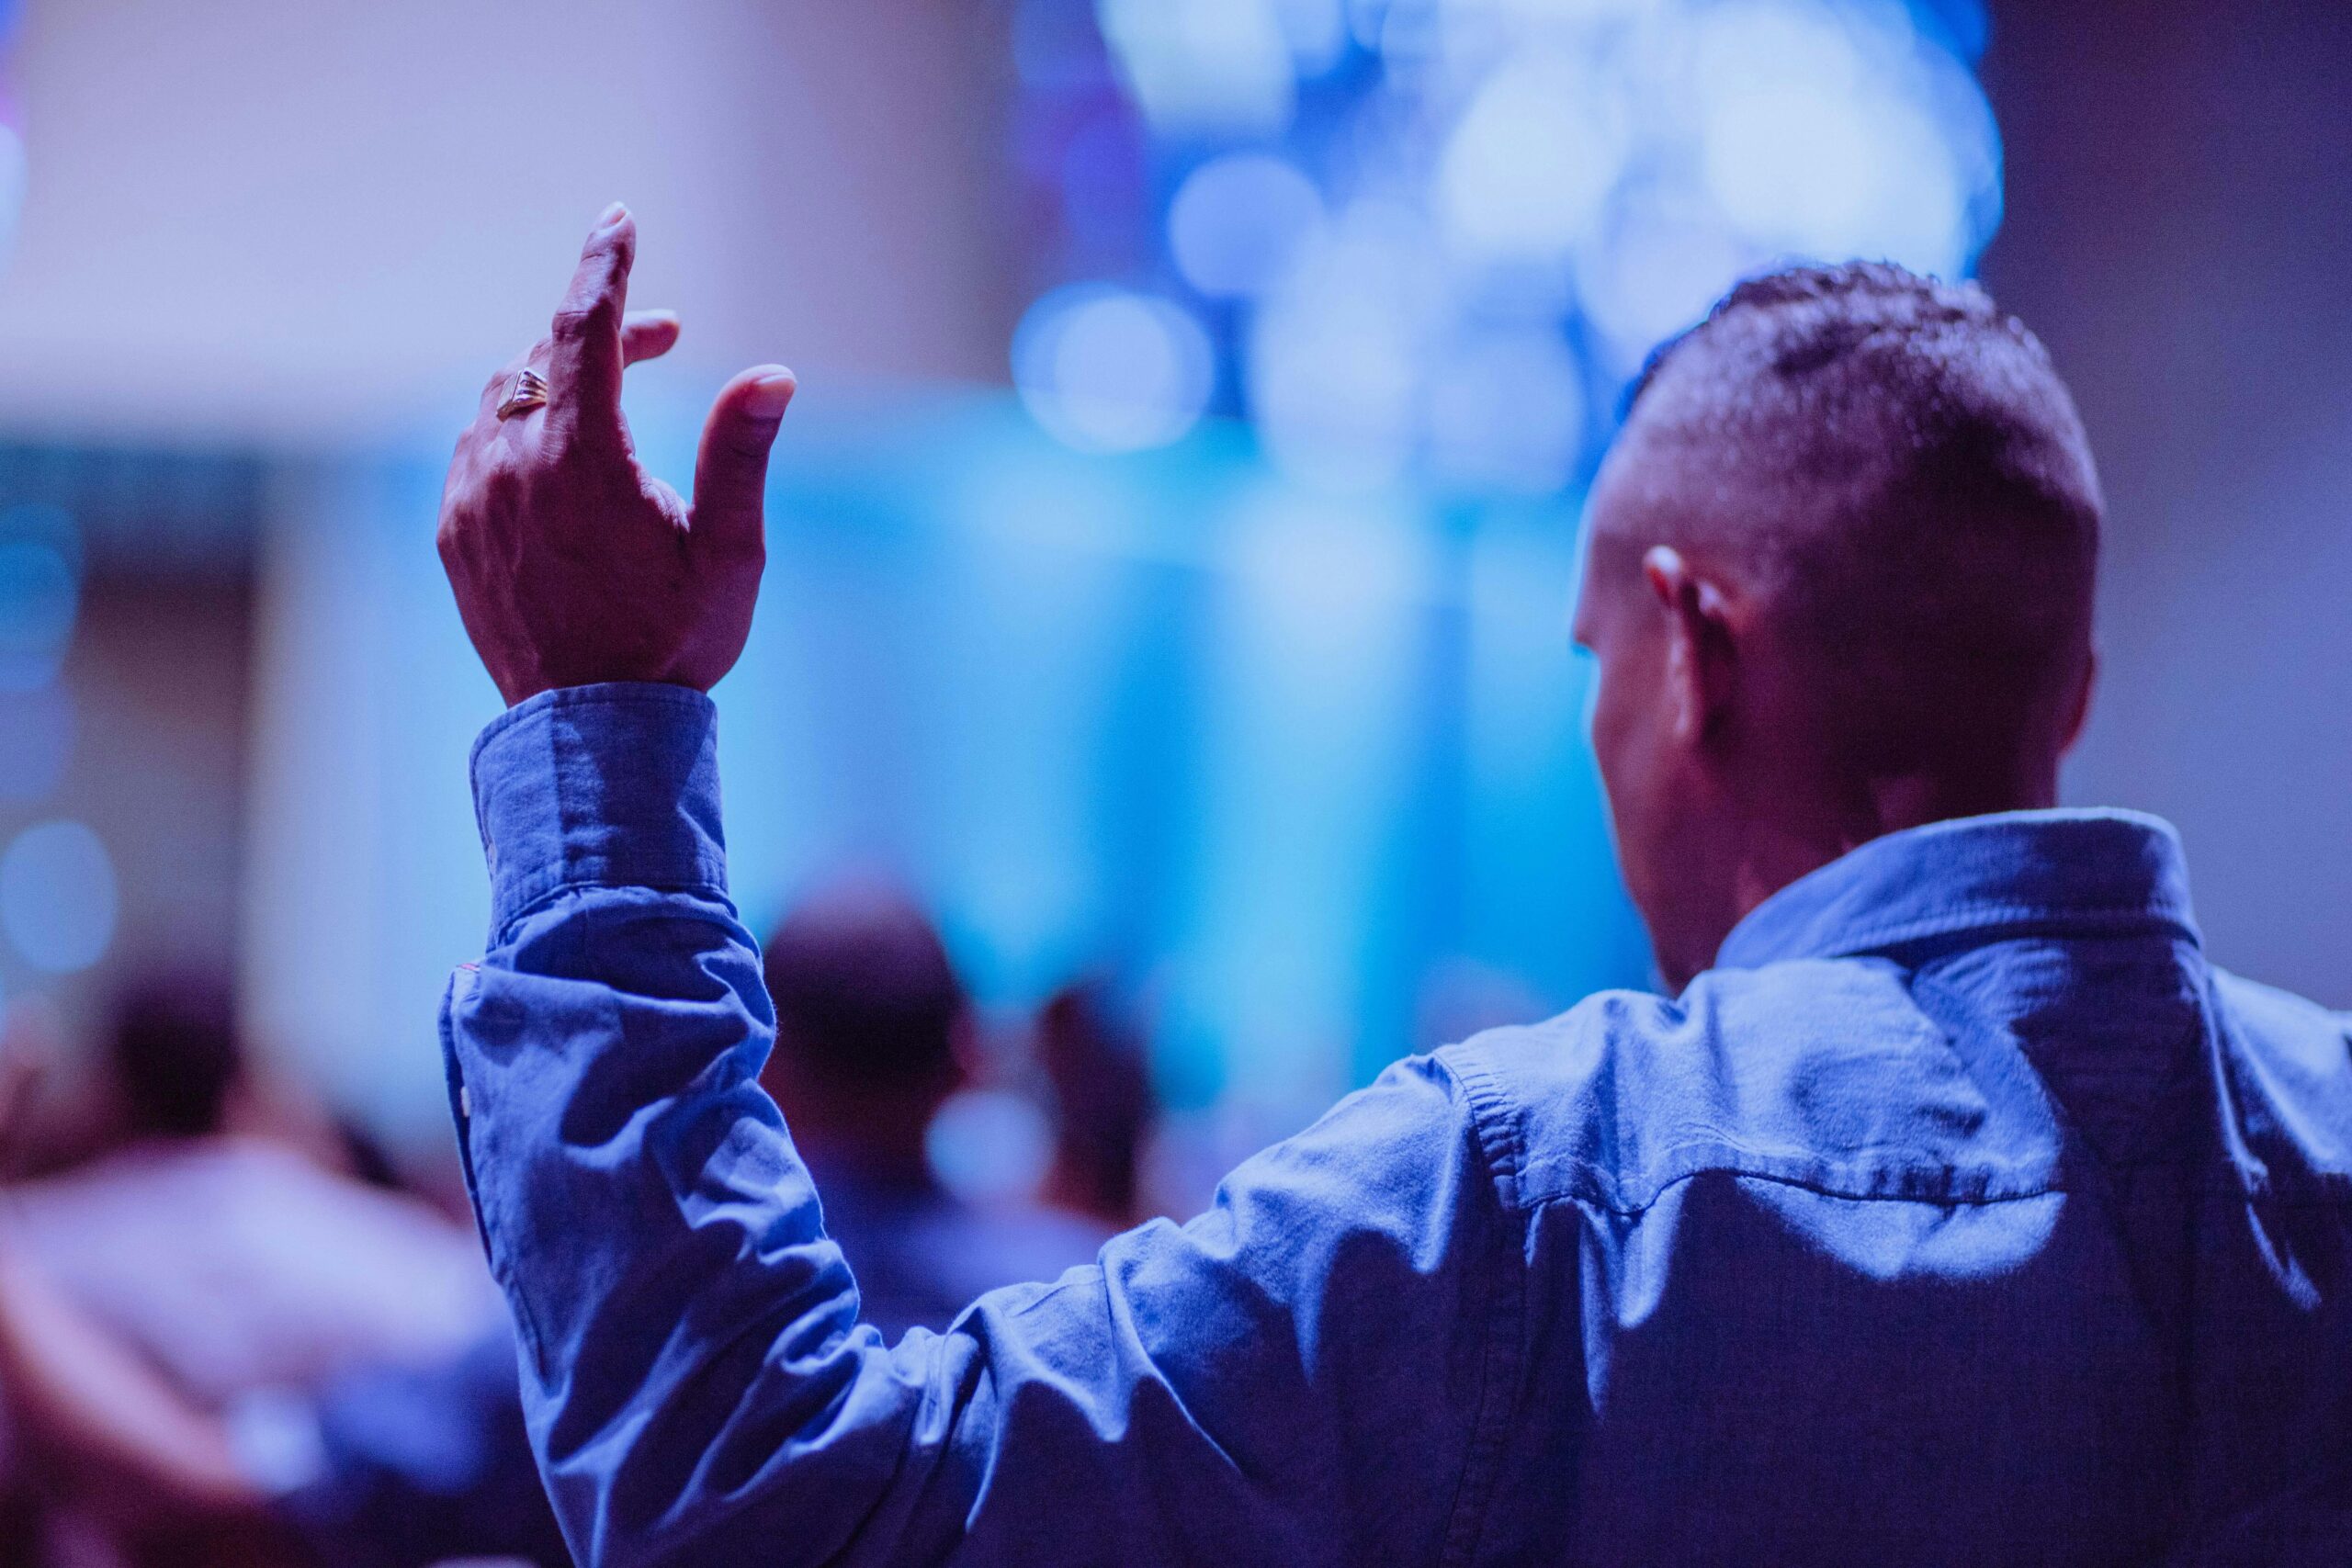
{"x":686,"y":1326}
{"x":697,"y":1386}
{"x":691,"y":1368}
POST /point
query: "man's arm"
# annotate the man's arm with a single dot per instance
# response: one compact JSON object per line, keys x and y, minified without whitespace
{"x":1297,"y":1376}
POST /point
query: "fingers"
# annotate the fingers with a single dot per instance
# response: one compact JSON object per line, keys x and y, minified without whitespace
{"x":584,"y":347}
{"x":648,"y":334}
{"x":731,"y":471}
{"x":645,"y":334}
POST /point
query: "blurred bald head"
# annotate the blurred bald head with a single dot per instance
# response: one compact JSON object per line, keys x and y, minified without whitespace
{"x":1846,"y":541}
{"x":872,"y":1026}
{"x":865,"y":994}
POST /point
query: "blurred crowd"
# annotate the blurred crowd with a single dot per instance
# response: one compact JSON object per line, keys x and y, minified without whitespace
{"x":234,"y":1330}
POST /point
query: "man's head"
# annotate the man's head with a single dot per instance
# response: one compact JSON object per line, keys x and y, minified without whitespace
{"x":872,"y":1023}
{"x":1838,"y":581}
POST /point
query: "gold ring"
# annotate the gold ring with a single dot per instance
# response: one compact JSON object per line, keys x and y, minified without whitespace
{"x":530,"y":392}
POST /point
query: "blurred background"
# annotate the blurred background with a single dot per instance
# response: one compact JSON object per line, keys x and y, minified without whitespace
{"x":1172,"y":545}
{"x":1160,"y":714}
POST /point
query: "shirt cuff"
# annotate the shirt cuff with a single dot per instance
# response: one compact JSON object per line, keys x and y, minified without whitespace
{"x":612,"y":785}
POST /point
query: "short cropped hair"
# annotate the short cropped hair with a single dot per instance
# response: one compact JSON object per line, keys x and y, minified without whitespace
{"x":1898,"y":465}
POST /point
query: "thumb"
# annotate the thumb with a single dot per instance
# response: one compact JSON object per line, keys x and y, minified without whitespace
{"x":731,"y":471}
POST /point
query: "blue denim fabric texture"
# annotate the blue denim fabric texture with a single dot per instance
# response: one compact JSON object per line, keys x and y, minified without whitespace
{"x":1964,"y":1215}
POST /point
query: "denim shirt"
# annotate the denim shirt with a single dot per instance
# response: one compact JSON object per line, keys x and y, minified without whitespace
{"x":1964,"y":1214}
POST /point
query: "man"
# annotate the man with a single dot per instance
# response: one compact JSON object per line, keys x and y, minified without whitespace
{"x":873,"y":1033}
{"x":1955,"y":1210}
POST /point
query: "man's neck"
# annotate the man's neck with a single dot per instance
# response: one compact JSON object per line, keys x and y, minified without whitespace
{"x":1783,"y":845}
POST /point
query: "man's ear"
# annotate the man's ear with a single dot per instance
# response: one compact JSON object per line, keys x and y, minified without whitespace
{"x":1700,"y":665}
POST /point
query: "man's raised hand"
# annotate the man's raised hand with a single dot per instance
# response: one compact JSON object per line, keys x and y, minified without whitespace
{"x":572,"y":565}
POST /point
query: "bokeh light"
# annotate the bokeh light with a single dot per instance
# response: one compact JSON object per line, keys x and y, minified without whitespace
{"x":1205,"y":67}
{"x":40,"y":593}
{"x":1507,"y":412}
{"x":1367,"y":201}
{"x":1529,"y":165}
{"x":989,"y":1145}
{"x":58,"y":898}
{"x":1334,"y":361}
{"x":1238,"y":221}
{"x":1108,"y":370}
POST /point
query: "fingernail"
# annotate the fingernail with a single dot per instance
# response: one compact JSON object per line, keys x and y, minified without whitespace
{"x":770,"y":395}
{"x":612,"y":215}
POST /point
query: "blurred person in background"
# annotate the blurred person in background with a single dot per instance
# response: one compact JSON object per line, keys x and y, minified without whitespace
{"x":873,"y":1032}
{"x":104,"y":1462}
{"x":238,"y":1264}
{"x":1955,"y":1209}
{"x":104,"y":1465}
{"x":1095,"y":1062}
{"x":150,"y":1078}
{"x":214,"y":1346}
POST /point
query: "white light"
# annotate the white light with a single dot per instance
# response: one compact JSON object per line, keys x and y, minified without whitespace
{"x":1624,"y":161}
{"x":1335,"y":355}
{"x":1742,"y":43}
{"x":1521,"y":17}
{"x":1104,"y":369}
{"x":1316,"y":31}
{"x":1236,"y":222}
{"x":988,"y":1145}
{"x":1791,"y":166}
{"x":1203,"y":67}
{"x":1507,"y":413}
{"x":1919,"y":216}
{"x":1656,"y":271}
{"x":1528,"y":169}
{"x":57,"y":896}
{"x":1822,"y":142}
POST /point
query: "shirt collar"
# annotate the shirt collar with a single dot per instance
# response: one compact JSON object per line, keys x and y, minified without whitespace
{"x":2072,"y":870}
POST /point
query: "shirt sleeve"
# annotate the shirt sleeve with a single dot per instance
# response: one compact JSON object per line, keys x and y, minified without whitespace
{"x":1307,"y":1374}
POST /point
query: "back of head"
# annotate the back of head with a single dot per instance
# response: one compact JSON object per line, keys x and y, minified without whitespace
{"x":175,"y":1054}
{"x":1892,"y":465}
{"x":866,"y":1000}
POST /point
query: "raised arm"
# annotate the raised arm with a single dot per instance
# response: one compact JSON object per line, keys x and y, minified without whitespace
{"x":1307,"y":1374}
